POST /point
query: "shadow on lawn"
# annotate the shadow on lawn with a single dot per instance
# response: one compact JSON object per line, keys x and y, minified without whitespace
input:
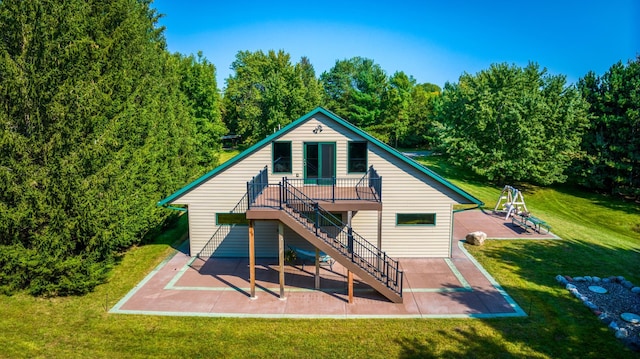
{"x":557,"y":325}
{"x":607,"y":201}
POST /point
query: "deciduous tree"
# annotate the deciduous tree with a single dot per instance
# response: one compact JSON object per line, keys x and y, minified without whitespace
{"x":354,"y":90}
{"x":513,"y":124}
{"x":266,"y":92}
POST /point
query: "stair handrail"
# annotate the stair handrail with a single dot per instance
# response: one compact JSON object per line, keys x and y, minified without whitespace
{"x":360,"y":251}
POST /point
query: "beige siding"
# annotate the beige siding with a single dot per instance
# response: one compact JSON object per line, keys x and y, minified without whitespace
{"x":405,"y":190}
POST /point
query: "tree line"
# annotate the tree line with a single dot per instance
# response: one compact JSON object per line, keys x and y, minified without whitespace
{"x":505,"y":123}
{"x":99,"y":121}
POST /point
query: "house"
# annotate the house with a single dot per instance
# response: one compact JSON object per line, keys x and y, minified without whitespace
{"x":322,"y":184}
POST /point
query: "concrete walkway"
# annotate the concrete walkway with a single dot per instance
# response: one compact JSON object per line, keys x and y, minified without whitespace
{"x":433,"y":287}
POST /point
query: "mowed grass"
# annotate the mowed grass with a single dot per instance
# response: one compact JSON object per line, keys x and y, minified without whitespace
{"x":598,"y":239}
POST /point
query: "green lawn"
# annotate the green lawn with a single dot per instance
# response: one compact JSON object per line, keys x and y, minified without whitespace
{"x":599,"y":239}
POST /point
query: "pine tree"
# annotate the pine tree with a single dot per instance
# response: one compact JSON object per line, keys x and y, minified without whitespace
{"x":94,"y":132}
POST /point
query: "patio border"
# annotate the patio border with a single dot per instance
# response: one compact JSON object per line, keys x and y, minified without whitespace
{"x":517,"y":310}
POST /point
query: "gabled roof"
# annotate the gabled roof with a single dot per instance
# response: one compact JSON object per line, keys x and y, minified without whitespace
{"x":340,"y":121}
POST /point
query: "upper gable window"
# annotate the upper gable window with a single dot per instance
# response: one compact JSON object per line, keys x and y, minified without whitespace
{"x":281,"y":157}
{"x":357,"y":161}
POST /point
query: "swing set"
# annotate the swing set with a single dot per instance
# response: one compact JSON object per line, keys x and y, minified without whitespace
{"x":511,"y":201}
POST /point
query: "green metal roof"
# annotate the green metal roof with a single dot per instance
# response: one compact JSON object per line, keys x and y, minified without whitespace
{"x":295,"y":123}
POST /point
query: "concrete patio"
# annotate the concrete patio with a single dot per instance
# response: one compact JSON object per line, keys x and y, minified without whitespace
{"x":433,"y":287}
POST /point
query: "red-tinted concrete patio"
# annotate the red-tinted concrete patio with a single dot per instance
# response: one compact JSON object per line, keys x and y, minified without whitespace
{"x":451,"y":287}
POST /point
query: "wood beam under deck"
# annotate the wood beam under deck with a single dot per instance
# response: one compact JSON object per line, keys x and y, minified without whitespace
{"x":252,"y":259}
{"x":281,"y":257}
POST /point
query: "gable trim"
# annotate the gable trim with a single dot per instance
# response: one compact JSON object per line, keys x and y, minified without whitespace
{"x":294,"y":124}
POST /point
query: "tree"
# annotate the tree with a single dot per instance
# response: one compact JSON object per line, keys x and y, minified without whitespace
{"x":396,"y":107}
{"x":512,"y":124}
{"x":94,"y":131}
{"x":267,"y":92}
{"x":422,"y":115}
{"x":612,"y":144}
{"x":354,"y":90}
{"x":198,"y":83}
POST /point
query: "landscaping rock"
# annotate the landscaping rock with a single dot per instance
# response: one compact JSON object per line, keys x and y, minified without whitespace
{"x":635,"y":290}
{"x":613,"y":325}
{"x":631,"y":317}
{"x":597,"y":289}
{"x":476,"y":238}
{"x":590,"y":305}
{"x":562,"y":280}
{"x":627,"y":284}
{"x":621,"y":333}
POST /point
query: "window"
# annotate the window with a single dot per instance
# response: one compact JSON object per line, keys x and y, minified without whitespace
{"x":232,"y":218}
{"x":357,"y":162}
{"x":281,"y":157}
{"x":415,"y":219}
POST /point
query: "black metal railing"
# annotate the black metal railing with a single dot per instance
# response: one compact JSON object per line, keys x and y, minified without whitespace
{"x":256,"y":185}
{"x":223,"y":230}
{"x":332,"y":231}
{"x":366,"y":188}
{"x":370,"y":185}
{"x":335,"y":233}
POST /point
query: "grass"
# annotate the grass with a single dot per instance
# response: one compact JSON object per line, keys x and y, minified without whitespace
{"x":598,"y":239}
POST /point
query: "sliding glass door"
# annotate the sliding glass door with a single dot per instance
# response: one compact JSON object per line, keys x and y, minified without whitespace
{"x":319,"y":163}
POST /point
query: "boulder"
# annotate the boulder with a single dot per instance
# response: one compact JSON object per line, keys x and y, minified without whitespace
{"x":476,"y":238}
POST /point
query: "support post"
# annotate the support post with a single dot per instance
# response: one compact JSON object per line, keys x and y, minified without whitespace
{"x":379,"y":230}
{"x":350,"y":286}
{"x":252,"y":259}
{"x":281,"y":256}
{"x":379,"y":242}
{"x":317,"y":269}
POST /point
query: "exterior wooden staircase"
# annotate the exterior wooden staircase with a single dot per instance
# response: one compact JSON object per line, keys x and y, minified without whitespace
{"x":306,"y":217}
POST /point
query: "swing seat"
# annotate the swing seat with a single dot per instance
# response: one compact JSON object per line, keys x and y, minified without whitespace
{"x":311,"y":256}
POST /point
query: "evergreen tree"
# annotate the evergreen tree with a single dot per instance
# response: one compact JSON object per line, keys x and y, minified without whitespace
{"x":94,"y":130}
{"x":198,"y":83}
{"x":612,"y":144}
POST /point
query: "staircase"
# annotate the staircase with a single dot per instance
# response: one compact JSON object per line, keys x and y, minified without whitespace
{"x":327,"y":233}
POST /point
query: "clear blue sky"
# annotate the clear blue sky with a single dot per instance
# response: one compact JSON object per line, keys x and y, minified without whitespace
{"x":434,"y":41}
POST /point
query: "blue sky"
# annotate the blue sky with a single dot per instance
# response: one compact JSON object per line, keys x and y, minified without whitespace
{"x":434,"y":41}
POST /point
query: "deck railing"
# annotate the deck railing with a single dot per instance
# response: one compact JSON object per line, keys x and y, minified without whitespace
{"x":366,"y":188}
{"x":256,"y":185}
